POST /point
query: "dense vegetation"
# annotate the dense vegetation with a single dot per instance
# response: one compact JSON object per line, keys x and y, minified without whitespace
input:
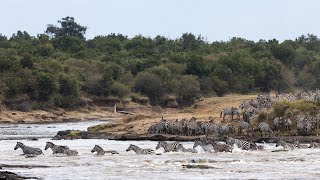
{"x":60,"y":68}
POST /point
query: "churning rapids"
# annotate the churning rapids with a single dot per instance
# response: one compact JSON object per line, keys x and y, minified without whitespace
{"x":296,"y":164}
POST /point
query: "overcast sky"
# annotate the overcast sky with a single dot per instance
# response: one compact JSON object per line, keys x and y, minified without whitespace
{"x":216,"y":20}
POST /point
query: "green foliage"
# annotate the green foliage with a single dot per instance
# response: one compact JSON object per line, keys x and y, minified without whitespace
{"x":150,"y":85}
{"x":286,"y":108}
{"x":59,"y":67}
{"x":189,"y":89}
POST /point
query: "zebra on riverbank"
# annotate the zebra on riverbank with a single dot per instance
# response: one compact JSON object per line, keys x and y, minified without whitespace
{"x":139,"y":150}
{"x":101,"y":152}
{"x":230,"y":111}
{"x":29,"y":151}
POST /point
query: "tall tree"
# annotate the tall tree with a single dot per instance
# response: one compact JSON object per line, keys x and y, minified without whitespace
{"x":68,"y":27}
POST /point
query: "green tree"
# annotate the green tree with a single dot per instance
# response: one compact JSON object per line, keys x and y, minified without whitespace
{"x":68,"y":27}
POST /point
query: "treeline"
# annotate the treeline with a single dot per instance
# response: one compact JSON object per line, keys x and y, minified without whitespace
{"x":60,"y":67}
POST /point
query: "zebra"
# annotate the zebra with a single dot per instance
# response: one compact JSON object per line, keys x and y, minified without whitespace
{"x":155,"y":128}
{"x":288,"y":124}
{"x":264,"y":128}
{"x":297,"y":144}
{"x":70,"y":152}
{"x":29,"y":151}
{"x":138,"y":150}
{"x":192,"y":127}
{"x":100,"y":151}
{"x":246,"y":126}
{"x":242,"y":144}
{"x":189,"y":150}
{"x":209,"y":128}
{"x":314,"y":145}
{"x":278,"y":121}
{"x":223,"y":130}
{"x":55,"y":148}
{"x":230,"y":111}
{"x":168,"y":146}
{"x":285,"y":145}
{"x":205,"y":146}
{"x":248,"y":116}
{"x":219,"y":147}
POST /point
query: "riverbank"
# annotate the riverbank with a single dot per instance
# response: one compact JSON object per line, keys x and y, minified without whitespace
{"x":72,"y":134}
{"x":56,"y":116}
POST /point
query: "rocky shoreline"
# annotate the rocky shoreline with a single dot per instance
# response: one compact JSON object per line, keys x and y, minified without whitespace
{"x":72,"y":134}
{"x":6,"y":175}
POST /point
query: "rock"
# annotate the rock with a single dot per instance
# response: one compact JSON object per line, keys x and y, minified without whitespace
{"x":200,"y":166}
{"x":6,"y":175}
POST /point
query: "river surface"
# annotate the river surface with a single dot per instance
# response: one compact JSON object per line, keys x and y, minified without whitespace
{"x":296,"y":164}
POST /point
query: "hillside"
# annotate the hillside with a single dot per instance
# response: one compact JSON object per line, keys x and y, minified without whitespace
{"x":60,"y":68}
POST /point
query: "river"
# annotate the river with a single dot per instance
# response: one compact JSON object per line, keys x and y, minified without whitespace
{"x":296,"y":164}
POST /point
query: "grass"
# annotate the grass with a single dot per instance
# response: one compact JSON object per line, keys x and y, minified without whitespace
{"x":74,"y":133}
{"x":101,"y":127}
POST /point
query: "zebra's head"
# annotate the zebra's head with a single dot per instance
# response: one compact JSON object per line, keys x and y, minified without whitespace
{"x":131,"y":147}
{"x":197,"y":143}
{"x":48,"y":145}
{"x":96,"y":149}
{"x":160,"y":144}
{"x":279,"y":143}
{"x":18,"y":145}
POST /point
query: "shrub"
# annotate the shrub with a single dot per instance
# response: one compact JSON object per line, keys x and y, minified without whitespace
{"x":120,"y":90}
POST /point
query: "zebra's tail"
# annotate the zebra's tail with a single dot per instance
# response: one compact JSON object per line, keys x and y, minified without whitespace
{"x":221,"y":113}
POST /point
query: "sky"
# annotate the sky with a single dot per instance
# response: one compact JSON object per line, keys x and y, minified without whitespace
{"x":214,"y":19}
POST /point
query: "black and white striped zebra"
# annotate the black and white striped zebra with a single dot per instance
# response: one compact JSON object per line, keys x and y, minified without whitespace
{"x":139,"y":150}
{"x":168,"y":147}
{"x":242,"y":144}
{"x":298,"y":145}
{"x":230,"y":111}
{"x":264,"y":129}
{"x":285,"y":145}
{"x":56,"y":148}
{"x":314,"y":145}
{"x":204,"y":145}
{"x":29,"y":151}
{"x":288,"y":124}
{"x":242,"y":125}
{"x":101,"y":152}
{"x":189,"y":150}
{"x":278,"y":122}
{"x":210,"y":128}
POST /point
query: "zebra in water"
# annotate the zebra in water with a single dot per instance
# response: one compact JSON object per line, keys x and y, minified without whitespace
{"x":314,"y":145}
{"x":168,"y":146}
{"x":29,"y":151}
{"x":101,"y":152}
{"x":288,"y":124}
{"x":230,"y":111}
{"x":298,"y":145}
{"x":205,"y":146}
{"x":189,"y":150}
{"x":244,"y":126}
{"x":285,"y":145}
{"x":242,"y":144}
{"x":56,"y":148}
{"x":139,"y":150}
{"x":217,"y":147}
{"x":264,"y":128}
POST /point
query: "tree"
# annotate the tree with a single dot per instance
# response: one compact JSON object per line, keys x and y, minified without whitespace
{"x":189,"y":89}
{"x":150,"y":85}
{"x":68,"y":27}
